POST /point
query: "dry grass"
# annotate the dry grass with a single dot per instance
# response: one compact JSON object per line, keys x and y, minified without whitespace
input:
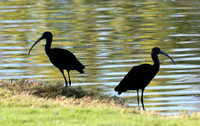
{"x":56,"y":94}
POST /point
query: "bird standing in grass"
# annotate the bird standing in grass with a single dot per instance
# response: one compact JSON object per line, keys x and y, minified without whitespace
{"x":140,"y":76}
{"x":61,"y":58}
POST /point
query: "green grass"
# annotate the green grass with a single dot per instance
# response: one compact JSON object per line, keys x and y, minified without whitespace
{"x":24,"y":103}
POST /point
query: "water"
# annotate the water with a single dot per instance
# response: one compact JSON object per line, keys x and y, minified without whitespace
{"x":109,"y":37}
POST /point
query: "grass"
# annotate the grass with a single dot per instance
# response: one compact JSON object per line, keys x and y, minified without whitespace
{"x":24,"y":103}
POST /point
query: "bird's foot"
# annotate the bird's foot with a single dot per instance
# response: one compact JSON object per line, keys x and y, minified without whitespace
{"x":66,"y":85}
{"x":137,"y":108}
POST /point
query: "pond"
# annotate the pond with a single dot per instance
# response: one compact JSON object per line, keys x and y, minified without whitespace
{"x":109,"y":37}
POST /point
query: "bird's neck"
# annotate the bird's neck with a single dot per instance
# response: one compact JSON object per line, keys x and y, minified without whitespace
{"x":48,"y":45}
{"x":155,"y":60}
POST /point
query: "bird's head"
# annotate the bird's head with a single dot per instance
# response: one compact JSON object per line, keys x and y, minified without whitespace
{"x":46,"y":35}
{"x":156,"y":51}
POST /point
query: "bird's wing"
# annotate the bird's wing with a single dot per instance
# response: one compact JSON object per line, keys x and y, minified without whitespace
{"x":137,"y":77}
{"x":65,"y":59}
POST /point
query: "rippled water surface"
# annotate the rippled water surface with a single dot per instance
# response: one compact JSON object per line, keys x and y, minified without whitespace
{"x":108,"y":37}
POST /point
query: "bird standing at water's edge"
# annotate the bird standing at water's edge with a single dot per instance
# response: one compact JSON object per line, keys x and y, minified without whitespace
{"x":140,"y":76}
{"x":61,"y":58}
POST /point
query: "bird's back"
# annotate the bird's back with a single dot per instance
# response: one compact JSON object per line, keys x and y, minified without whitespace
{"x":137,"y":78}
{"x":64,"y":59}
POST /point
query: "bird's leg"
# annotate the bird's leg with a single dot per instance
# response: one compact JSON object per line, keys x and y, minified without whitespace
{"x":69,"y":77}
{"x":142,"y":99}
{"x":64,"y":77}
{"x":138,"y":98}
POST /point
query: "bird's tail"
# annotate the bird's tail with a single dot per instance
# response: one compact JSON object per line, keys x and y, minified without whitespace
{"x":121,"y":87}
{"x":80,"y":71}
{"x":119,"y":92}
{"x":118,"y":89}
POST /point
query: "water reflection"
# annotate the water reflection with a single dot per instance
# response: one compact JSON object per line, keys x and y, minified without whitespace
{"x":109,"y":37}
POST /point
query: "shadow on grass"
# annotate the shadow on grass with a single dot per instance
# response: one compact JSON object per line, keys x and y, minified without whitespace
{"x":44,"y":90}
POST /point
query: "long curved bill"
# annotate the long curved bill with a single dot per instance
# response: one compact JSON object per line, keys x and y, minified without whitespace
{"x":161,"y":52}
{"x":34,"y":44}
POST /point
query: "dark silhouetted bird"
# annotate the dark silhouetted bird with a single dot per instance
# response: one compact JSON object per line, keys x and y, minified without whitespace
{"x":140,"y":76}
{"x":61,"y":58}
